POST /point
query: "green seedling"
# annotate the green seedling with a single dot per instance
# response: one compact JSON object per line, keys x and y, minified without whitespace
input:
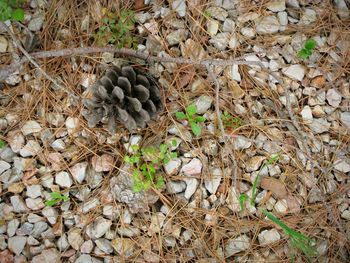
{"x":193,"y":119}
{"x":306,"y":52}
{"x":56,"y":198}
{"x":146,"y":163}
{"x":10,"y":9}
{"x":229,"y":121}
{"x":117,"y":30}
{"x":298,"y":240}
{"x":2,"y":144}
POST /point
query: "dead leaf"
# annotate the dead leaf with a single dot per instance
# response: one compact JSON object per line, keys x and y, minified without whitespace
{"x":275,"y":186}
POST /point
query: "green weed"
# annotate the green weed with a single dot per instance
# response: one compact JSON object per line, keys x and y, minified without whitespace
{"x":193,"y":119}
{"x":56,"y":198}
{"x":146,"y":162}
{"x":2,"y":144}
{"x":10,"y":9}
{"x":306,"y":52}
{"x":298,"y":240}
{"x":117,"y":30}
{"x":229,"y":121}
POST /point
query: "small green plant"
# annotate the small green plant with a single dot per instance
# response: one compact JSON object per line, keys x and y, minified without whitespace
{"x":229,"y":121}
{"x":2,"y":144}
{"x":56,"y":198}
{"x":306,"y":52}
{"x":9,"y":9}
{"x":207,"y":14}
{"x":298,"y":240}
{"x":193,"y":119}
{"x":117,"y":30}
{"x":146,"y":162}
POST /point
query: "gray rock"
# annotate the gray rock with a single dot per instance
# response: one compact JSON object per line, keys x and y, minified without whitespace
{"x":180,"y":131}
{"x":12,"y":227}
{"x":220,"y":41}
{"x":16,"y":141}
{"x":39,"y":228}
{"x":341,"y":165}
{"x":34,"y":191}
{"x":63,"y":179}
{"x":175,"y":187}
{"x":51,"y":214}
{"x":35,"y":203}
{"x":194,"y":167}
{"x":99,"y":227}
{"x":172,"y":167}
{"x":180,"y":7}
{"x":276,"y":5}
{"x":134,"y":140}
{"x":18,"y":204}
{"x":267,"y":237}
{"x":79,"y":171}
{"x":333,"y":97}
{"x":62,"y":243}
{"x":306,"y":115}
{"x":30,"y":127}
{"x":104,"y":245}
{"x":212,"y":27}
{"x":217,"y":13}
{"x":203,"y":103}
{"x":72,"y":125}
{"x":236,"y":245}
{"x":254,"y":163}
{"x":16,"y":244}
{"x":36,"y":23}
{"x":4,"y":166}
{"x":267,"y":25}
{"x":345,"y":119}
{"x":212,"y":183}
{"x":87,"y":247}
{"x":315,"y":195}
{"x":228,"y":26}
{"x":3,"y":44}
{"x":296,"y":72}
{"x":319,"y":125}
{"x":47,"y":256}
{"x":6,"y":154}
{"x":308,"y":16}
{"x":58,"y":145}
{"x":177,"y":36}
{"x":75,"y":239}
{"x":248,"y":32}
{"x":25,"y":229}
{"x":191,"y":187}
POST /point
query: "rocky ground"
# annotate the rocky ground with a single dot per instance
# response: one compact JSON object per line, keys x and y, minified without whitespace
{"x":288,"y":124}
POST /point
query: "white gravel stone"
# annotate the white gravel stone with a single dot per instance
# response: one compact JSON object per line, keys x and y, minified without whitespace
{"x":75,"y":239}
{"x":248,"y":32}
{"x":72,"y":125}
{"x":220,"y":41}
{"x":177,"y":36}
{"x":228,"y":26}
{"x":236,"y":245}
{"x":58,"y":145}
{"x":30,"y":127}
{"x":306,"y":114}
{"x":254,"y":163}
{"x":78,"y":171}
{"x":194,"y":167}
{"x":295,"y":72}
{"x":12,"y":227}
{"x":217,"y":13}
{"x":87,"y":247}
{"x":36,"y":23}
{"x":283,"y":18}
{"x":308,"y":16}
{"x":51,"y":214}
{"x":346,"y":215}
{"x":234,"y":73}
{"x":232,"y":200}
{"x":157,"y":221}
{"x":89,"y":205}
{"x":342,"y":165}
{"x":281,"y":206}
{"x":191,"y":187}
{"x":34,"y":191}
{"x":32,"y":148}
{"x":99,"y":227}
{"x":3,"y":44}
{"x":241,"y":143}
{"x":319,"y":125}
{"x":104,"y":245}
{"x":267,"y":25}
{"x":212,"y":183}
{"x":62,"y":243}
{"x":4,"y":166}
{"x":47,"y":256}
{"x":173,"y":166}
{"x":267,"y":237}
{"x":16,"y":141}
{"x":203,"y":103}
{"x":212,"y":27}
{"x":63,"y":179}
{"x":103,"y":163}
{"x":134,"y":140}
{"x":180,"y":7}
{"x":276,"y":5}
{"x":345,"y":119}
{"x":16,"y":244}
{"x":18,"y":204}
{"x":35,"y":203}
{"x":175,"y":187}
{"x":333,"y":97}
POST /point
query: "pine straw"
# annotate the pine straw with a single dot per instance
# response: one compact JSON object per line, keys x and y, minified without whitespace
{"x":207,"y":238}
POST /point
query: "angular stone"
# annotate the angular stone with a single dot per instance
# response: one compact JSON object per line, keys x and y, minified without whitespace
{"x":16,"y":244}
{"x":236,"y":245}
{"x":78,"y":171}
{"x":194,"y":167}
{"x":267,"y":237}
{"x":267,"y":25}
{"x":63,"y":179}
{"x":30,"y":127}
{"x":295,"y":72}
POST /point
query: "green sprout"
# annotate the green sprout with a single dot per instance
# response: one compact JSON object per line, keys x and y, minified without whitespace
{"x":117,"y":30}
{"x":9,"y":9}
{"x":298,"y":240}
{"x":2,"y":144}
{"x":193,"y":119}
{"x":146,"y":162}
{"x":56,"y":198}
{"x":306,"y":52}
{"x":229,"y":121}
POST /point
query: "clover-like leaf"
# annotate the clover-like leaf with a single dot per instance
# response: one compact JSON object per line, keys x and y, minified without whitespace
{"x":51,"y":202}
{"x":2,"y":144}
{"x":191,"y":110}
{"x":303,"y":53}
{"x":180,"y":115}
{"x":310,"y":44}
{"x":196,"y":129}
{"x":18,"y":15}
{"x":199,"y":119}
{"x":55,"y":195}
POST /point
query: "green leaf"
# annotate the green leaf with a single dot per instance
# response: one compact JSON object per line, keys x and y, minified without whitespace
{"x":166,"y":160}
{"x":310,"y":44}
{"x":196,"y":129}
{"x":199,"y":119}
{"x":127,"y":159}
{"x":65,"y":197}
{"x":51,"y":202}
{"x":135,"y":147}
{"x":191,"y":110}
{"x":174,"y":143}
{"x":163,"y":148}
{"x":242,"y":199}
{"x":18,"y":15}
{"x":255,"y":184}
{"x":173,"y":155}
{"x":2,"y":144}
{"x":303,"y":53}
{"x":180,"y":115}
{"x":56,"y":195}
{"x":138,"y":187}
{"x":159,"y":182}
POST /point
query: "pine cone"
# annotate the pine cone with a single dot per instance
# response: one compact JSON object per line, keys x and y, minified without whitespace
{"x":125,"y":95}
